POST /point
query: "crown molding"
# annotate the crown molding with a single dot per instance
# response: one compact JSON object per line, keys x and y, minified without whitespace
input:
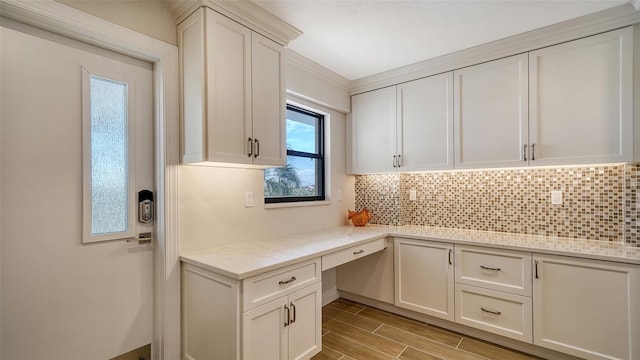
{"x":245,"y":12}
{"x":610,"y":19}
{"x":318,"y":70}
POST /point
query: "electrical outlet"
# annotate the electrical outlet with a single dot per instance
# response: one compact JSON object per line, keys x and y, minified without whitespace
{"x":556,"y":197}
{"x":248,"y":199}
{"x":412,"y":195}
{"x":339,"y":195}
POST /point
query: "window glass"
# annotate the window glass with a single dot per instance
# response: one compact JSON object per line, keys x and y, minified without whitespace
{"x":109,"y":154}
{"x":302,"y":179}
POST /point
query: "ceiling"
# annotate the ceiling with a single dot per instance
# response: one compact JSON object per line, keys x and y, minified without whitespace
{"x":358,"y":38}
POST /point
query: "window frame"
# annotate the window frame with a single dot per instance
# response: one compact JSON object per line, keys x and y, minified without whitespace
{"x":319,"y":156}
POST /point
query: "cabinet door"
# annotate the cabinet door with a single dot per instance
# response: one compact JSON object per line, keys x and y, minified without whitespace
{"x":424,"y":277}
{"x":425,"y":123}
{"x":490,"y":113}
{"x":191,"y":54}
{"x":228,"y":61}
{"x":583,"y":88}
{"x":305,"y":330}
{"x":373,"y":129}
{"x":268,"y":99}
{"x":264,"y":334}
{"x":586,"y":308}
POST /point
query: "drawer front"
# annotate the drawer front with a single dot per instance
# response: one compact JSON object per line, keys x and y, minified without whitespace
{"x":261,"y":289}
{"x":494,"y":311}
{"x":355,"y":252}
{"x":501,"y":270}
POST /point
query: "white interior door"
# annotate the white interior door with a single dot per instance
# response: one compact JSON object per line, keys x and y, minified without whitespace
{"x":63,"y":299}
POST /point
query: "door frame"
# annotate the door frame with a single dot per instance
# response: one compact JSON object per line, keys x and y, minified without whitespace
{"x":63,"y":20}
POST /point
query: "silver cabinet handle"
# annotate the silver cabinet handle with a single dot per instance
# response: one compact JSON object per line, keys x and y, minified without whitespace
{"x":450,"y":261}
{"x":536,"y":268}
{"x":293,"y":307}
{"x":490,"y":311}
{"x":524,"y":152}
{"x":257,"y":142}
{"x":287,"y":320}
{"x":399,"y":161}
{"x":394,"y":161}
{"x":293,"y":278}
{"x":358,"y":252}
{"x":533,"y":152}
{"x":489,"y":268}
{"x":250,"y":151}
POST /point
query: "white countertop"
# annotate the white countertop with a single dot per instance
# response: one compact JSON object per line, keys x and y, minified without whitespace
{"x":249,"y":258}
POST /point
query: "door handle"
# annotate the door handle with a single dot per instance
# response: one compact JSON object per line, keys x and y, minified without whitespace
{"x":143,"y":238}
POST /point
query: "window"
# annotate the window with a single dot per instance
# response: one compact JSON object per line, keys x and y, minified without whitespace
{"x":302,"y":179}
{"x":107,"y":159}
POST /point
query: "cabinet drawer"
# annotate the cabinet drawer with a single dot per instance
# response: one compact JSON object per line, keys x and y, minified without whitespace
{"x":494,"y":311}
{"x":261,"y":289}
{"x":355,"y":252}
{"x":501,"y":270}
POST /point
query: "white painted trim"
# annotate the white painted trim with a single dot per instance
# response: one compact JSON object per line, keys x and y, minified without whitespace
{"x":610,"y":19}
{"x":245,"y":12}
{"x":320,"y":71}
{"x":635,"y":3}
{"x":60,"y":19}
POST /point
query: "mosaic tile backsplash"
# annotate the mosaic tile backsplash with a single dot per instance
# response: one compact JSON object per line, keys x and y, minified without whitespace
{"x":598,"y":203}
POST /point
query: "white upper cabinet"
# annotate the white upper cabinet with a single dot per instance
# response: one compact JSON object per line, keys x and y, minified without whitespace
{"x":566,"y":104}
{"x":268,"y":101}
{"x":425,"y":124}
{"x":581,"y":105}
{"x":490,"y":113}
{"x":240,"y":74}
{"x":408,"y":127}
{"x":373,"y":126}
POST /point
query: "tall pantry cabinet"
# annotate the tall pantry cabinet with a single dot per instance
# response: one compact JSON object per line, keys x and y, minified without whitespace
{"x":233,"y":93}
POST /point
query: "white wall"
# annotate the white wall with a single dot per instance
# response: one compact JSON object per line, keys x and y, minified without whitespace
{"x":149,"y":17}
{"x":211,"y":200}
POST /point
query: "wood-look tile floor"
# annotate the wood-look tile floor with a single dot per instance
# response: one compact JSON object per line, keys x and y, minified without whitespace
{"x":352,"y":331}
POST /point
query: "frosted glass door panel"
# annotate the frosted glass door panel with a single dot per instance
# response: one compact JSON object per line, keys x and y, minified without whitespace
{"x":109,"y":152}
{"x":108,"y":156}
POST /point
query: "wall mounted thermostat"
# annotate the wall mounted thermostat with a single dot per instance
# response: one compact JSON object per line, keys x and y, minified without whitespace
{"x":145,"y":206}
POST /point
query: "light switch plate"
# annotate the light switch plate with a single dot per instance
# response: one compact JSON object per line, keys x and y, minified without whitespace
{"x":556,"y":197}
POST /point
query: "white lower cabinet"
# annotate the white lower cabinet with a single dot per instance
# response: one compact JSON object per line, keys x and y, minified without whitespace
{"x":286,"y":328}
{"x":586,"y":308}
{"x":493,"y":291}
{"x":494,"y":311}
{"x":276,"y":315}
{"x":424,"y":277}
